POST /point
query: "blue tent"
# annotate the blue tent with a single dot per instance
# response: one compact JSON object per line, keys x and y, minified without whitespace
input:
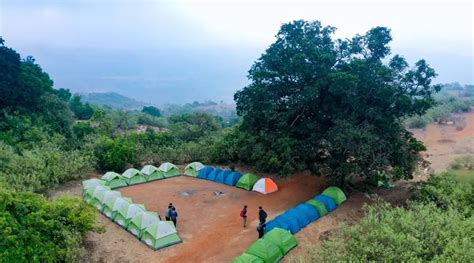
{"x":327,"y":201}
{"x":220,"y":178}
{"x":276,"y":222}
{"x":232,"y":178}
{"x":293,"y":225}
{"x":310,"y":213}
{"x":212,"y":175}
{"x":202,"y":174}
{"x":299,"y":216}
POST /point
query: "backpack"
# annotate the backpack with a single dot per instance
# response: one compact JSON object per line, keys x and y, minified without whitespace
{"x":242,"y":213}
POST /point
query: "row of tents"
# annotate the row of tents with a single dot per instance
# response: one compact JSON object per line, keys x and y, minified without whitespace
{"x":298,"y":217}
{"x":246,"y":181}
{"x":278,"y":239}
{"x":272,"y":247}
{"x":144,"y":225}
{"x":134,"y":176}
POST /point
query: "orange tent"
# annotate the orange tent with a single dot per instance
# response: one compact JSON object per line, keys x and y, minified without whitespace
{"x":265,"y":186}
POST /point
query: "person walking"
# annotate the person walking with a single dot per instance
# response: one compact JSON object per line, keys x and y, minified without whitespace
{"x":262,"y":215}
{"x":243,"y":214}
{"x":261,"y":229}
{"x":174,"y":216}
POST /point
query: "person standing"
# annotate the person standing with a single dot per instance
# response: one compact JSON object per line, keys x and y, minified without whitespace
{"x":261,"y":229}
{"x":262,"y":215}
{"x":243,"y":214}
{"x":168,"y":212}
{"x":174,"y":216}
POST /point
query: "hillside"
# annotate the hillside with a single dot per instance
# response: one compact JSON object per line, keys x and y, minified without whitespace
{"x":113,"y":100}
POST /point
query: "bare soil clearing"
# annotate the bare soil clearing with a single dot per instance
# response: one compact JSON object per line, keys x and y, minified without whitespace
{"x":446,"y":142}
{"x":210,"y":225}
{"x":208,"y":219}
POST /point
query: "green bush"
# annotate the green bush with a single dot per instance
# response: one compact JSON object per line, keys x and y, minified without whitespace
{"x":421,"y":232}
{"x":115,"y":154}
{"x":193,"y":126}
{"x":35,"y":230}
{"x":463,"y":163}
{"x":42,"y":167}
{"x":418,"y":122}
{"x":448,"y":192}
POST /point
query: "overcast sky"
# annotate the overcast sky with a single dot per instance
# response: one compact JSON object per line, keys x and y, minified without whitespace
{"x":204,"y":48}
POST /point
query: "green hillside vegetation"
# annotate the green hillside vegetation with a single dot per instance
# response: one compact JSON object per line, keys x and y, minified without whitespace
{"x":437,"y":226}
{"x":113,"y":100}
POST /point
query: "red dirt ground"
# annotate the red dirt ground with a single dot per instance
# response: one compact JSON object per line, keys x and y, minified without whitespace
{"x":208,"y":224}
{"x":445,"y":142}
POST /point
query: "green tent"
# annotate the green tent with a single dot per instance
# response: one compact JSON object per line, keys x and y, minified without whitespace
{"x":266,"y":250}
{"x":247,"y":181}
{"x":89,"y":192}
{"x":112,"y":206}
{"x":320,"y":207}
{"x":336,"y":194}
{"x":98,"y":196}
{"x":92,"y":183}
{"x":126,"y":213}
{"x":247,"y":258}
{"x":141,"y":221}
{"x":99,"y":199}
{"x":160,"y":234}
{"x":133,"y":176}
{"x":114,"y":180}
{"x":282,"y":238}
{"x":169,"y":170}
{"x":99,"y":192}
{"x":193,"y":168}
{"x":151,"y":173}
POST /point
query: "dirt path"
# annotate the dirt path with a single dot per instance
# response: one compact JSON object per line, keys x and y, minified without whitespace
{"x":445,"y":142}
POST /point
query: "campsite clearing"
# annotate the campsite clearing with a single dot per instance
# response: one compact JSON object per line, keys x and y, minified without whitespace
{"x":208,"y":223}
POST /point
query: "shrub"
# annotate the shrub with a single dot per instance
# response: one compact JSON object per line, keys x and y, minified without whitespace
{"x":463,"y":162}
{"x":447,"y":192}
{"x":418,"y":122}
{"x":35,"y":230}
{"x":115,"y":154}
{"x":418,"y":233}
{"x":42,"y":167}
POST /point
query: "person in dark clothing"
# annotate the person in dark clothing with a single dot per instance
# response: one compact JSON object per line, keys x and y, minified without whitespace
{"x":261,"y":230}
{"x":262,"y":215}
{"x":168,"y":212}
{"x":243,"y":214}
{"x":174,"y":216}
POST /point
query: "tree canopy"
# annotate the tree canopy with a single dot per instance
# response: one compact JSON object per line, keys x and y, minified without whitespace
{"x":334,"y":105}
{"x":153,"y":111}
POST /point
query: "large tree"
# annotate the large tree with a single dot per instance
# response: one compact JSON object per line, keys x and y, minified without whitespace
{"x":333,"y":105}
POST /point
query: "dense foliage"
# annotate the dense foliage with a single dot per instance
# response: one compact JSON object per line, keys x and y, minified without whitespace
{"x":153,"y":111}
{"x":35,"y":230}
{"x":437,"y":227}
{"x":334,"y":105}
{"x":447,"y":191}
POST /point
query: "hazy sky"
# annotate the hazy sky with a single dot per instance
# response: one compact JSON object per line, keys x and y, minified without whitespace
{"x":182,"y":50}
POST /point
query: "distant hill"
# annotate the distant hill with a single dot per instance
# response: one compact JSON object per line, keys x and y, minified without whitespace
{"x":113,"y":100}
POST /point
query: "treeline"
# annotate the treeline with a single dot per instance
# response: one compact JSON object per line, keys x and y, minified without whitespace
{"x":49,"y":136}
